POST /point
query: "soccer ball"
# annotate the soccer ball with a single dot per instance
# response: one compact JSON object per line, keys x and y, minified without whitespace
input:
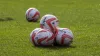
{"x":32,"y":15}
{"x":49,"y":21}
{"x":42,"y":37}
{"x":64,"y":36}
{"x":33,"y":33}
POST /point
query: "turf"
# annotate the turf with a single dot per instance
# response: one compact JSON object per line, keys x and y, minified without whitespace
{"x":81,"y":16}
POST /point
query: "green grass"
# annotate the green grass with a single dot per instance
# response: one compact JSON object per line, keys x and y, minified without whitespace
{"x":81,"y":16}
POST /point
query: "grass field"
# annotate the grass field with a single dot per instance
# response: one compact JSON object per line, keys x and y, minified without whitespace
{"x":81,"y":16}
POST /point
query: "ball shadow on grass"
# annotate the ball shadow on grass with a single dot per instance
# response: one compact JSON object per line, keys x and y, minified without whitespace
{"x":6,"y":19}
{"x":55,"y":47}
{"x":38,"y":21}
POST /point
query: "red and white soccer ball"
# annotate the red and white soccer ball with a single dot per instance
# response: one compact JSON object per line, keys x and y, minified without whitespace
{"x":32,"y":15}
{"x":49,"y":21}
{"x":64,"y":36}
{"x":42,"y":37}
